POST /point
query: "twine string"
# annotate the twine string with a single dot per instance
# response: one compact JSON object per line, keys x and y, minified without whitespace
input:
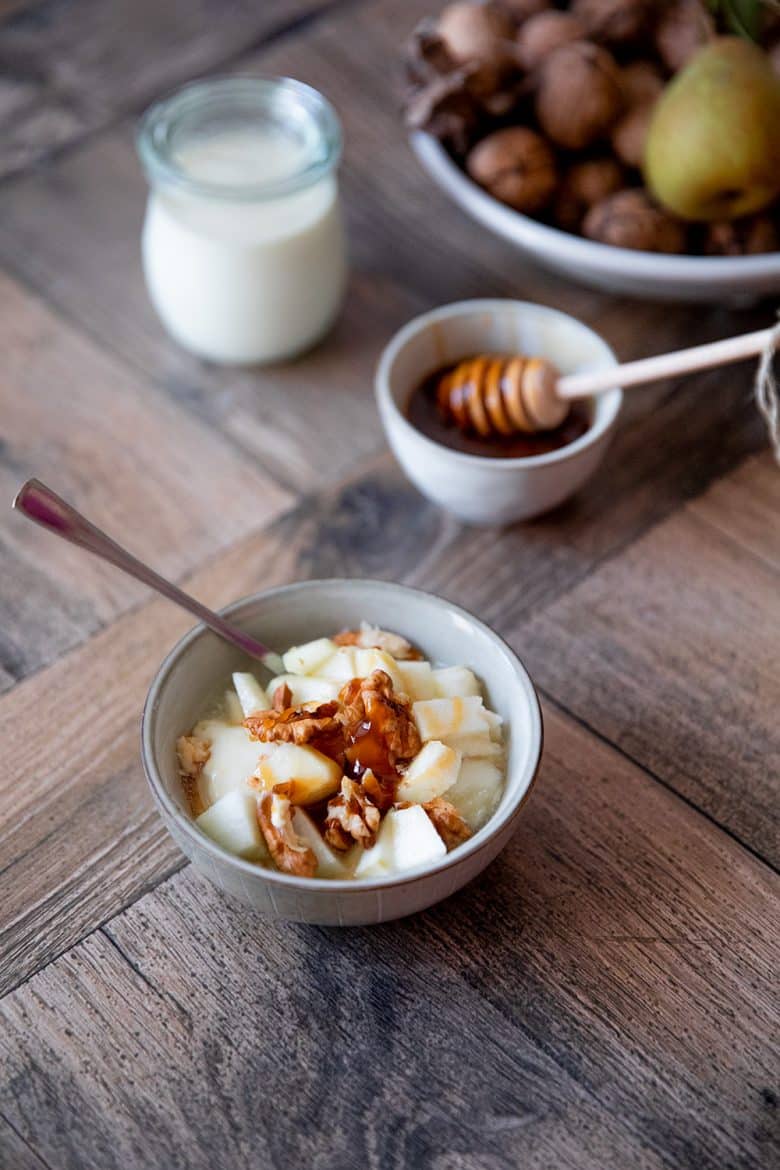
{"x":767,"y":392}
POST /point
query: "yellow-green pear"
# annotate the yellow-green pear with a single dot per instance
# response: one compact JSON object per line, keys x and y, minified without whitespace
{"x":713,"y":148}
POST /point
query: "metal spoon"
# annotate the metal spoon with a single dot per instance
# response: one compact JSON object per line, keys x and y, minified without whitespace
{"x":40,"y":504}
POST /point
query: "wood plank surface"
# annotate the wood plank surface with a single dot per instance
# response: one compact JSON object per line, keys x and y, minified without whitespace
{"x":671,"y":651}
{"x":601,"y":997}
{"x":154,"y":476}
{"x":72,"y":66}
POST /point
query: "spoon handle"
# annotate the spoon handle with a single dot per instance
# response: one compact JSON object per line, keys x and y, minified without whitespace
{"x":43,"y":506}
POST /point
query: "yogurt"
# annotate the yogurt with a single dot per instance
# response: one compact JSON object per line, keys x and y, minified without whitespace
{"x":243,"y":246}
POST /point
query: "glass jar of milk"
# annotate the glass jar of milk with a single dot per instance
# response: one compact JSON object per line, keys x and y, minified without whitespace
{"x":243,"y":246}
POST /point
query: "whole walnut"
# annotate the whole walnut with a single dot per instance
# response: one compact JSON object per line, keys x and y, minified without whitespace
{"x":578,"y":95}
{"x":742,"y":237}
{"x":544,"y":32}
{"x":683,"y":27}
{"x":615,"y":22}
{"x":522,"y":9}
{"x":641,"y":81}
{"x":582,"y":185}
{"x":515,"y":165}
{"x":475,"y":31}
{"x":629,"y":134}
{"x":628,"y":219}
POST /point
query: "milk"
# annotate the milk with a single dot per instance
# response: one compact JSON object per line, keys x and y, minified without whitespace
{"x":236,"y":274}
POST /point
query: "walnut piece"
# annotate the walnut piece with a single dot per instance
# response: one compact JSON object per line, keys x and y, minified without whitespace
{"x":447,"y":822}
{"x":193,"y":753}
{"x":290,"y":853}
{"x":351,"y":817}
{"x":373,"y":701}
{"x":294,"y":724}
{"x":372,"y":638}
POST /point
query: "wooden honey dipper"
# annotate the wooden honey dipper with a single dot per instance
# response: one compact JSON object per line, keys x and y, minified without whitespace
{"x":494,"y":395}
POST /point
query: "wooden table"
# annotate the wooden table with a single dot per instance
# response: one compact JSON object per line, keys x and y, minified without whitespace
{"x":605,"y":996}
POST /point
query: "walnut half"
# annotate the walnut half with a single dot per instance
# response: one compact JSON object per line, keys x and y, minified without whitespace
{"x":351,"y":817}
{"x":372,"y":638}
{"x":447,"y":822}
{"x":290,"y":853}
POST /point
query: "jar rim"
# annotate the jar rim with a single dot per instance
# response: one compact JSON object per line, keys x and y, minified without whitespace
{"x":155,"y":133}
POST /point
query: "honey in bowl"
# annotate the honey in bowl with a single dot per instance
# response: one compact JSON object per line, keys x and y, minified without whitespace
{"x":424,"y":412}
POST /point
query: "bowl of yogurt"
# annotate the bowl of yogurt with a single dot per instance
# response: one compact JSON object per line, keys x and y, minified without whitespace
{"x":243,"y":246}
{"x":381,"y":772}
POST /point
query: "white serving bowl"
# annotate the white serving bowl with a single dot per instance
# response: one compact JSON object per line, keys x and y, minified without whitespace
{"x":476,"y":488}
{"x":737,"y":280}
{"x":198,"y":670}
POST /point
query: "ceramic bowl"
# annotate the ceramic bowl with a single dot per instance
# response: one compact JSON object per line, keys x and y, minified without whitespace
{"x":476,"y":488}
{"x":737,"y":280}
{"x":198,"y":670}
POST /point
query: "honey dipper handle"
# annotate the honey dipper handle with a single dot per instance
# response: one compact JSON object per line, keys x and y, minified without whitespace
{"x":682,"y":361}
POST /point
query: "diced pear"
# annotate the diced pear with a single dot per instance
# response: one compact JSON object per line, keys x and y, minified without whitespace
{"x":417,"y":681}
{"x":251,"y":695}
{"x":308,"y":775}
{"x":306,"y":659}
{"x":330,"y":864}
{"x":454,"y":681}
{"x":341,"y":666}
{"x":367,"y":661}
{"x":306,"y":688}
{"x":232,"y":823}
{"x":432,"y":771}
{"x":495,"y":723}
{"x":234,"y":712}
{"x":406,"y":839}
{"x":233,"y":758}
{"x":476,"y":792}
{"x":438,"y":718}
{"x":479,"y":746}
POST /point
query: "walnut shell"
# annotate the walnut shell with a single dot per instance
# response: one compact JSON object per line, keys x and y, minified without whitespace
{"x":629,"y":134}
{"x":628,"y":219}
{"x":614,"y":22}
{"x":641,"y":81}
{"x":683,"y":27}
{"x":544,"y":32}
{"x":582,"y":185}
{"x":515,"y":165}
{"x":522,"y":9}
{"x":475,"y":31}
{"x":579,"y":94}
{"x":742,"y":237}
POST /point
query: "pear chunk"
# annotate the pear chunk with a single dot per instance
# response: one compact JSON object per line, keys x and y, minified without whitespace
{"x":307,"y":659}
{"x":232,"y":823}
{"x":234,"y":712}
{"x":367,"y":661}
{"x":301,"y":774}
{"x":329,"y":863}
{"x":251,"y":695}
{"x":438,"y":718}
{"x":454,"y":681}
{"x":432,"y":771}
{"x":233,"y":758}
{"x":479,"y":746}
{"x":417,"y":681}
{"x":476,"y":792}
{"x":341,"y":666}
{"x":306,"y":688}
{"x":406,"y":839}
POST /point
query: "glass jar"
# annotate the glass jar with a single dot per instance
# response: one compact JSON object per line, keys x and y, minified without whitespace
{"x":243,"y":246}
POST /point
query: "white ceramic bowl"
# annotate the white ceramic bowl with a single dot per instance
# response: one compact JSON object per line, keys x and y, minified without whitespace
{"x":198,"y":669}
{"x":476,"y":488}
{"x":734,"y":279}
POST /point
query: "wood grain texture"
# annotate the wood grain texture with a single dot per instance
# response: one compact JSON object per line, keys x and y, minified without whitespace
{"x":602,"y":997}
{"x":71,"y":67}
{"x":156,"y":478}
{"x":671,"y":651}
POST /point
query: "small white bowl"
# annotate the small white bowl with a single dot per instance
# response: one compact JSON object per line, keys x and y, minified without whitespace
{"x":737,"y":280}
{"x":198,"y":670}
{"x":476,"y":488}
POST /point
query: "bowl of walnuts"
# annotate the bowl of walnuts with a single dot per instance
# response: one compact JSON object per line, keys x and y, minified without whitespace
{"x":633,"y":145}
